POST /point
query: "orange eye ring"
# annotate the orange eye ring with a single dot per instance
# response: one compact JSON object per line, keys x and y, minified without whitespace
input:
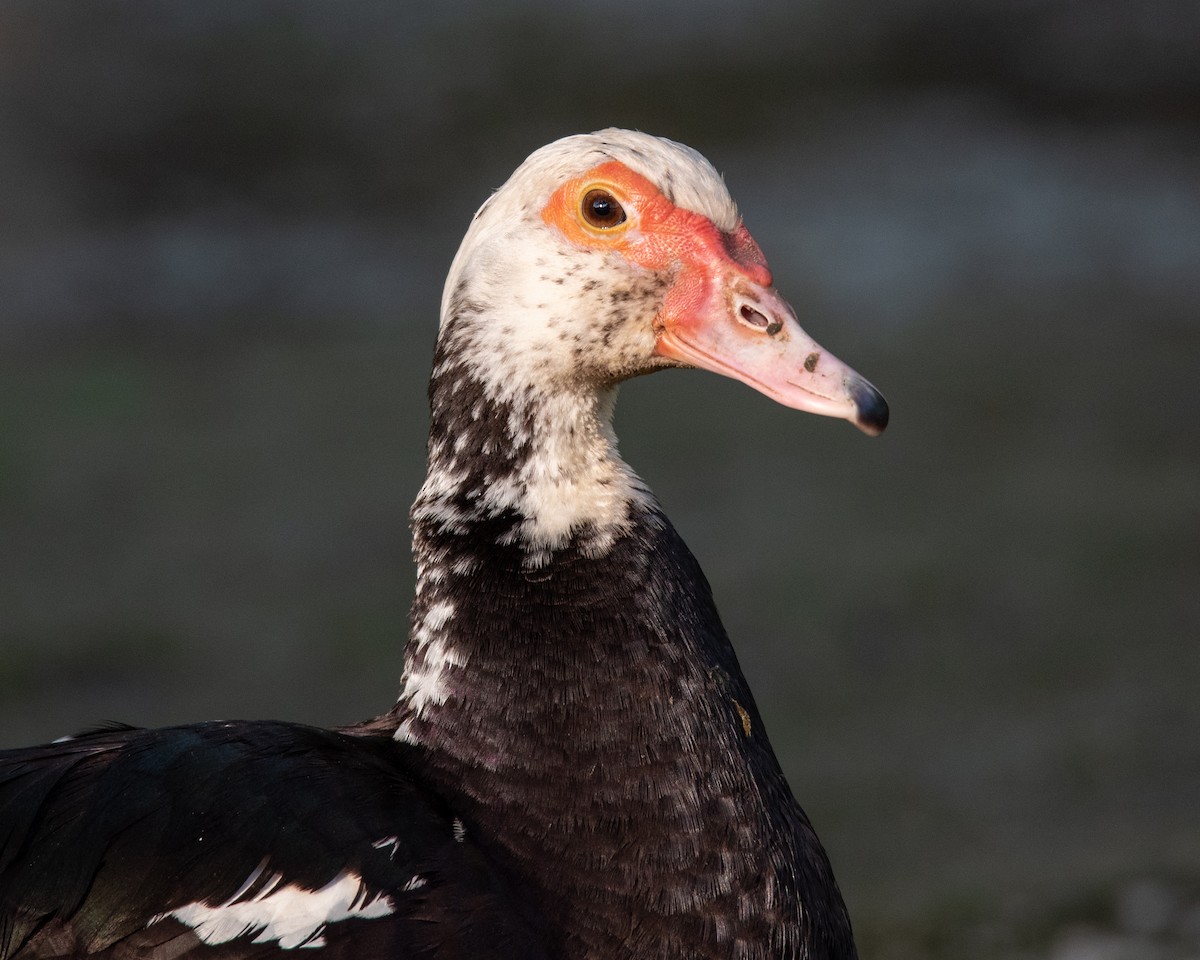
{"x":601,"y":210}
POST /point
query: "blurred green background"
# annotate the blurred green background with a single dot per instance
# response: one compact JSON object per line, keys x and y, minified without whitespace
{"x":223,"y":232}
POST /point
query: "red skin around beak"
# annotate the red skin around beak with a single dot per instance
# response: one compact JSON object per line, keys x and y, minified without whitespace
{"x":721,"y":312}
{"x":723,"y":315}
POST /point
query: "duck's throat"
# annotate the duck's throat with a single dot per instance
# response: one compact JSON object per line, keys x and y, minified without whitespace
{"x":542,"y":460}
{"x":523,"y":486}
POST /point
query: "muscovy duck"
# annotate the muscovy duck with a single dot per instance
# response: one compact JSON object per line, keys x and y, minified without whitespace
{"x":575,"y":767}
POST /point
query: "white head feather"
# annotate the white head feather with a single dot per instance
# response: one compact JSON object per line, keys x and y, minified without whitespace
{"x":684,"y":176}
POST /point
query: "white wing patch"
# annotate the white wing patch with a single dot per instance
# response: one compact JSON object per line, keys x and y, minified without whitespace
{"x":291,"y":915}
{"x":392,"y":843}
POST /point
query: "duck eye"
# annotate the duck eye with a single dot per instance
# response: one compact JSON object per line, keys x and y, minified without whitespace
{"x":601,"y":209}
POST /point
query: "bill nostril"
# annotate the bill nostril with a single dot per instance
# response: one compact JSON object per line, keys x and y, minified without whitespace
{"x":755,"y":318}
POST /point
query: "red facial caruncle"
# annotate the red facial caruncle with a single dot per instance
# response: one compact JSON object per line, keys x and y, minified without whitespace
{"x":721,"y":311}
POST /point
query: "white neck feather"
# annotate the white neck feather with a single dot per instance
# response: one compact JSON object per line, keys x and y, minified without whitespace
{"x":568,"y":477}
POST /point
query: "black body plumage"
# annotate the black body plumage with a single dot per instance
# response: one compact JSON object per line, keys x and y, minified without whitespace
{"x":605,"y":790}
{"x":105,"y":833}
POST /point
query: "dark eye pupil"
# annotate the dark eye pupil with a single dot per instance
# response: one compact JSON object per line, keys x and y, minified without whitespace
{"x":601,"y":209}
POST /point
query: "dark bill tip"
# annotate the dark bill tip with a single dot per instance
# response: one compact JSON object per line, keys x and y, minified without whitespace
{"x":872,"y":409}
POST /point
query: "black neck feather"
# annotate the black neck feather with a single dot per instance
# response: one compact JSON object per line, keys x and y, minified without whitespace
{"x":594,"y":726}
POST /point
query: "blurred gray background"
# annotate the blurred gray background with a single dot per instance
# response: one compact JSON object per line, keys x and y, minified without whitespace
{"x":223,"y":232}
